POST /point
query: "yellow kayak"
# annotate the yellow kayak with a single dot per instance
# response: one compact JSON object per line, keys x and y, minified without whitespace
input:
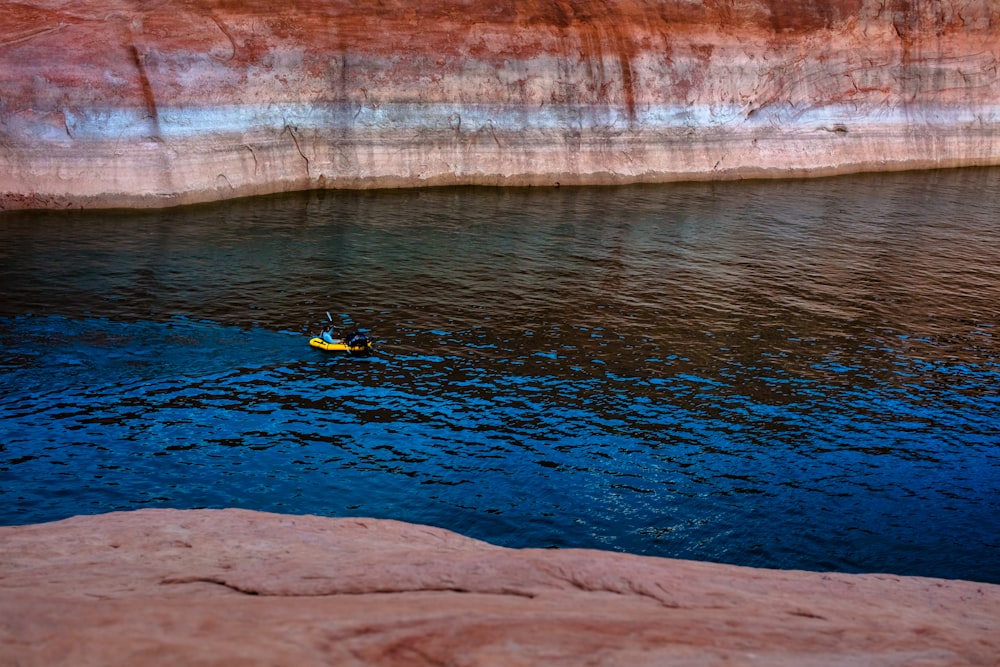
{"x":362,"y":346}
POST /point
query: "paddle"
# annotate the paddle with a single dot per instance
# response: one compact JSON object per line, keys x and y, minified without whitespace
{"x":331,"y":321}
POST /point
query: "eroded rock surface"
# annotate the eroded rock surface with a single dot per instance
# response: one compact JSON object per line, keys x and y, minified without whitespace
{"x":239,"y":587}
{"x":119,"y":103}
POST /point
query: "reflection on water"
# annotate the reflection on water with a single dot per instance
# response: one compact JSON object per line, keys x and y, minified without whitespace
{"x":786,"y":374}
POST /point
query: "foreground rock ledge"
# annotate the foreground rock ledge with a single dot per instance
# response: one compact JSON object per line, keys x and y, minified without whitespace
{"x":240,"y":587}
{"x":147,"y":104}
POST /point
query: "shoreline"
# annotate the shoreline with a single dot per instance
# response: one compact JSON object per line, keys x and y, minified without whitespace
{"x":34,"y":200}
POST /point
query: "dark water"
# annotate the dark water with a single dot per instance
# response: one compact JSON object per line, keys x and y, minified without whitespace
{"x":787,"y":374}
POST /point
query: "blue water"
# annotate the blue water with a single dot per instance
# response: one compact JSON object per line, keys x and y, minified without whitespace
{"x":790,"y":374}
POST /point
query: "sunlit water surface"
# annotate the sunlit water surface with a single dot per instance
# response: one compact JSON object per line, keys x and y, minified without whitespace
{"x":779,"y":374}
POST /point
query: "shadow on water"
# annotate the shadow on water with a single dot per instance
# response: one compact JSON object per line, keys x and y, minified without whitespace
{"x":783,"y":374}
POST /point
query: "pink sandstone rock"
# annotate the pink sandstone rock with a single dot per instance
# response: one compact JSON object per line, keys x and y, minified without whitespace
{"x":116,"y":103}
{"x":221,"y":587}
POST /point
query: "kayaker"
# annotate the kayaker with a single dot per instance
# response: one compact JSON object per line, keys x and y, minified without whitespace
{"x":328,"y":335}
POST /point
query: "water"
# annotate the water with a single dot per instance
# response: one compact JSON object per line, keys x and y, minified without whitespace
{"x":778,"y":374}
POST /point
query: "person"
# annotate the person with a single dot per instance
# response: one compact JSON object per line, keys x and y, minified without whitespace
{"x":329,"y":335}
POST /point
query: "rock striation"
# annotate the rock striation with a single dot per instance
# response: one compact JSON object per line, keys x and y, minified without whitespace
{"x":167,"y":102}
{"x":222,"y":587}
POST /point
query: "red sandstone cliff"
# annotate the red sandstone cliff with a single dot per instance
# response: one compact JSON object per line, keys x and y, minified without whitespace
{"x":232,"y":587}
{"x":114,"y":102}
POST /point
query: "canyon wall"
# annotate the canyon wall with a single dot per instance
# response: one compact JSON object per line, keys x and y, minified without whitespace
{"x":164,"y":102}
{"x":234,"y":587}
